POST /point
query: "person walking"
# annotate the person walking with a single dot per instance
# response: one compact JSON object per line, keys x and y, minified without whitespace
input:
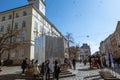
{"x":74,"y":63}
{"x":47,"y":70}
{"x":69,"y":63}
{"x":51,"y":66}
{"x":36,"y":69}
{"x":90,"y":61}
{"x":43,"y":71}
{"x":56,"y":70}
{"x":99,"y":62}
{"x":24,"y":66}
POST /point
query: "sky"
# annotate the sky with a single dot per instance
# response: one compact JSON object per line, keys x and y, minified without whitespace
{"x":94,"y":18}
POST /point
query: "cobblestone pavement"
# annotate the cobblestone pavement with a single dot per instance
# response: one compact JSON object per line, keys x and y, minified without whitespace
{"x":114,"y":71}
{"x":82,"y":73}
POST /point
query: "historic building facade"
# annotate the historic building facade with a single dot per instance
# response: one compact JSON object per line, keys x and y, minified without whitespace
{"x":112,"y":44}
{"x":85,"y":52}
{"x":30,"y":23}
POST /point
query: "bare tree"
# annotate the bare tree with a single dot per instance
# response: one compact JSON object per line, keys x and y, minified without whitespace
{"x":7,"y":43}
{"x":74,"y":51}
{"x":69,"y":38}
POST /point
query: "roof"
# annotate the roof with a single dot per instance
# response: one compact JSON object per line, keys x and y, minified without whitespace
{"x":16,"y":8}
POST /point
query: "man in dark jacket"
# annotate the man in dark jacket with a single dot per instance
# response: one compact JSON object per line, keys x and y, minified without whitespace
{"x":43,"y":70}
{"x":24,"y":65}
{"x":74,"y":63}
{"x":90,"y":61}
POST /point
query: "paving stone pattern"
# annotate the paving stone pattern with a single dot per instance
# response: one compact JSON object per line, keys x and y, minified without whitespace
{"x":82,"y":73}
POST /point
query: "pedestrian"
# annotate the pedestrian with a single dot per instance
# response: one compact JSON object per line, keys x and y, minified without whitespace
{"x":36,"y":69}
{"x":119,"y":61}
{"x":47,"y":70}
{"x":65,"y":60}
{"x":43,"y":71}
{"x":57,"y":70}
{"x":74,"y":63}
{"x":96,"y":62}
{"x":2,"y":61}
{"x":32,"y":62}
{"x":99,"y":62}
{"x":90,"y":61}
{"x":24,"y":66}
{"x":80,"y":61}
{"x":104,"y":62}
{"x":51,"y":66}
{"x":69,"y":63}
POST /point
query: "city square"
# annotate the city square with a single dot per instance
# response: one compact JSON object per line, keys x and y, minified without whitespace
{"x":59,"y":40}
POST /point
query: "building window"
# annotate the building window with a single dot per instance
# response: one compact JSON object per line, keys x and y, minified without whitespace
{"x":14,"y":38}
{"x":3,"y":18}
{"x":17,"y":15}
{"x":21,"y":54}
{"x":1,"y":28}
{"x":8,"y":27}
{"x":41,"y":29}
{"x":23,"y":36}
{"x":12,"y":55}
{"x":24,"y":13}
{"x":23,"y":24}
{"x":10,"y":17}
{"x":36,"y":14}
{"x":16,"y":26}
{"x":41,"y":19}
{"x":35,"y":36}
{"x":36,"y":25}
{"x":45,"y":31}
{"x":46,"y":23}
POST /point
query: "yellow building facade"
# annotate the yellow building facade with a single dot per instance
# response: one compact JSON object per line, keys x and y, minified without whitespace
{"x":112,"y":43}
{"x":29,"y":23}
